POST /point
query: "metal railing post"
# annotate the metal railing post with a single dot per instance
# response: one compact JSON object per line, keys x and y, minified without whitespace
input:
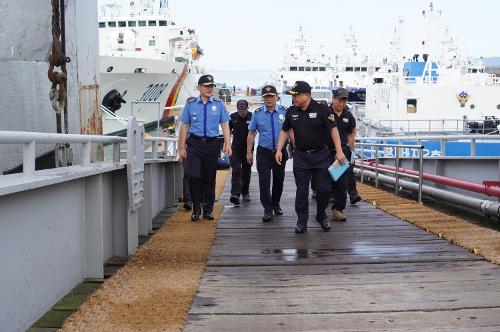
{"x":154,"y":150}
{"x":116,"y":152}
{"x":86,"y":152}
{"x":442,"y":142}
{"x":29,"y":158}
{"x":362,"y":161}
{"x":376,"y":167}
{"x":396,"y":189}
{"x":473,"y":147}
{"x":420,"y":174}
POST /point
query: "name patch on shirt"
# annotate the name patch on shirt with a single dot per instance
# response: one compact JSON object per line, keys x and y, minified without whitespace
{"x":313,"y":115}
{"x":345,"y":120}
{"x":295,"y":116}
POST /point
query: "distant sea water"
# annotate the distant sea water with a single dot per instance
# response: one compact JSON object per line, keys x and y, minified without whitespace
{"x":243,"y":79}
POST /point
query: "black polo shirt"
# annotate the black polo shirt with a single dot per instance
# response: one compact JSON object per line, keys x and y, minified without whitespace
{"x":345,"y":124}
{"x":311,"y":127}
{"x":239,"y":128}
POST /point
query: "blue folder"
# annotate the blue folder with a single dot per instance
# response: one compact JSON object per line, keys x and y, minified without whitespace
{"x":336,"y":169}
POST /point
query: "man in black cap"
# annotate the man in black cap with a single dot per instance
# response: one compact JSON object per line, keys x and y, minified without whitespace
{"x":240,"y":179}
{"x":267,"y":121}
{"x":201,"y":119}
{"x":346,"y":124}
{"x":312,"y":128}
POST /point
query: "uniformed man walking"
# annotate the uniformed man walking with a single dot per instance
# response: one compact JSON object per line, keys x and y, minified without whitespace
{"x":201,"y":119}
{"x":346,"y":124}
{"x":267,"y":121}
{"x":241,"y":168}
{"x":312,"y":127}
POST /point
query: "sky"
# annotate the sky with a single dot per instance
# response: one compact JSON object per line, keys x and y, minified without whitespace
{"x":251,"y":35}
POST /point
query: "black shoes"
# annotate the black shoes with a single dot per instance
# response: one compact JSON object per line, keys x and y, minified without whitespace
{"x":208,"y":215}
{"x":278,"y":211}
{"x":195,"y":216}
{"x":235,"y":199}
{"x":267,"y":218}
{"x":324,"y":223}
{"x":301,"y":228}
{"x":187,"y":207}
{"x":246,"y":198}
{"x":355,"y":199}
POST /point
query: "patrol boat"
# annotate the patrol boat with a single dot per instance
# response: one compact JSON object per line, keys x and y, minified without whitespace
{"x":148,"y":64}
{"x":435,"y":91}
{"x":300,"y":65}
{"x":354,"y":70}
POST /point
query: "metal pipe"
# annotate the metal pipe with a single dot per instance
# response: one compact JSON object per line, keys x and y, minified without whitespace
{"x":420,"y":174}
{"x":396,"y":187}
{"x":23,"y":137}
{"x":461,"y":184}
{"x":488,"y":208}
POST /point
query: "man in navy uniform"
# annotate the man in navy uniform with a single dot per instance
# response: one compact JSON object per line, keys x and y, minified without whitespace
{"x":346,"y":124}
{"x":201,"y":119}
{"x":241,"y":168}
{"x":312,"y":128}
{"x":267,"y":121}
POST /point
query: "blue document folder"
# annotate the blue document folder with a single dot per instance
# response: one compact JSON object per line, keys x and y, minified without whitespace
{"x":336,"y":169}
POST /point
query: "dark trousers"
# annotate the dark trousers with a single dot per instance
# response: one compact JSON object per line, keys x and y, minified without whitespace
{"x":351,"y":182}
{"x":339,"y":186}
{"x":202,"y":169}
{"x":241,"y":171}
{"x":306,"y":165}
{"x":186,"y":193}
{"x":266,"y":164}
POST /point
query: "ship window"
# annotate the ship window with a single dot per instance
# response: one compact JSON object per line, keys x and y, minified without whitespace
{"x":474,"y":70}
{"x":132,"y":23}
{"x":112,"y":24}
{"x":322,"y":68}
{"x":122,"y":24}
{"x":349,"y":69}
{"x":142,"y":23}
{"x":411,"y":106}
{"x":163,"y":23}
{"x":293,"y":68}
{"x":377,"y":68}
{"x":364,"y":69}
{"x":357,"y":69}
{"x":152,"y":23}
{"x":139,"y":70}
{"x":301,"y":68}
{"x":152,"y":42}
{"x":308,"y":68}
{"x":102,"y":24}
{"x":315,"y":68}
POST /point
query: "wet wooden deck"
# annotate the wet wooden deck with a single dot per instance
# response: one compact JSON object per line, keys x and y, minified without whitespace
{"x":374,"y":272}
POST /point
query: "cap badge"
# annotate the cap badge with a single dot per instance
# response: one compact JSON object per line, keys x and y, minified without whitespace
{"x":268,"y":89}
{"x":210,"y":78}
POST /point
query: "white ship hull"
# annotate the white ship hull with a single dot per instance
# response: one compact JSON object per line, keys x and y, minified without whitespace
{"x":150,"y":85}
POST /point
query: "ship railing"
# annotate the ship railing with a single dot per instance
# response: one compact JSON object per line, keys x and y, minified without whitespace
{"x":374,"y":148}
{"x":421,"y":139}
{"x":29,"y":140}
{"x":415,"y":126}
{"x":112,"y":116}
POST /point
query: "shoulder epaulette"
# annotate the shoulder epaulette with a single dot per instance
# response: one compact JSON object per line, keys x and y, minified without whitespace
{"x":259,"y":109}
{"x":281,"y":107}
{"x":216,"y":99}
{"x":190,"y":100}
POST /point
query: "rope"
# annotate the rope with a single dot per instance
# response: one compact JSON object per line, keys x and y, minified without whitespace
{"x":57,"y":58}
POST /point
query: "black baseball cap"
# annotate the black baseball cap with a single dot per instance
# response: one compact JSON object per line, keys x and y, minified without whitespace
{"x":206,"y":80}
{"x":242,"y":104}
{"x":269,"y":90}
{"x":299,"y":87}
{"x":341,"y":93}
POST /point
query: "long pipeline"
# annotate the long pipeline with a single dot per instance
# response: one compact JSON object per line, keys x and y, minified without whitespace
{"x":471,"y":186}
{"x":489,"y":208}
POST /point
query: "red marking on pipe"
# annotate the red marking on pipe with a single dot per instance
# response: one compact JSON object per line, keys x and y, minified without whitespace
{"x":471,"y":186}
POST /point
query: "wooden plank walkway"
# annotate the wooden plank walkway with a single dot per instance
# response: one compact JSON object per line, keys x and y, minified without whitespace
{"x":374,"y":272}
